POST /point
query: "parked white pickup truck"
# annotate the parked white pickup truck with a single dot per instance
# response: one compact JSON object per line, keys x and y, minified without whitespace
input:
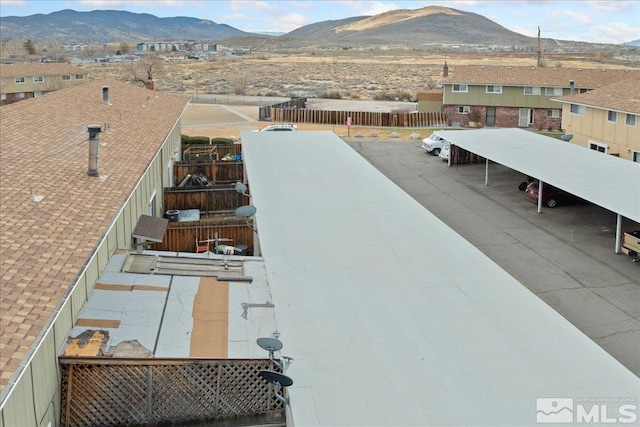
{"x":631,"y":244}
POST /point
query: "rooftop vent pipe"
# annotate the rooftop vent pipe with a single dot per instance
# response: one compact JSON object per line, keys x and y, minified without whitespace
{"x":105,"y":94}
{"x":445,"y":70}
{"x":94,"y":144}
{"x":572,"y":87}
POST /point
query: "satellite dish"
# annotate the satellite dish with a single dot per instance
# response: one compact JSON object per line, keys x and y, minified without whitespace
{"x":566,"y":137}
{"x":276,"y":378}
{"x":246,"y":211}
{"x":241,"y":188}
{"x":270,"y":344}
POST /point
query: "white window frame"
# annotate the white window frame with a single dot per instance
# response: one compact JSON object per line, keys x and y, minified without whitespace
{"x":20,"y":95}
{"x":19,"y":80}
{"x":461,"y":88}
{"x":598,"y":146}
{"x":3,"y":96}
{"x":66,"y":77}
{"x":38,"y":79}
{"x":463,"y":109}
{"x":553,"y":91}
{"x":629,"y":119}
{"x":494,"y":89}
{"x":635,"y":156}
{"x":37,"y":94}
{"x":553,"y":112}
{"x":533,"y":90}
{"x":612,"y":116}
{"x":580,"y":110}
{"x":79,"y":76}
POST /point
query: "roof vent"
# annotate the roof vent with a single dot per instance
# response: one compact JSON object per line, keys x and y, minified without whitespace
{"x":105,"y":95}
{"x":94,"y":145}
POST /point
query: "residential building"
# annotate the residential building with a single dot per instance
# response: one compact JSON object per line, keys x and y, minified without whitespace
{"x":509,"y":96}
{"x":605,"y":119}
{"x":33,"y":79}
{"x":66,"y":207}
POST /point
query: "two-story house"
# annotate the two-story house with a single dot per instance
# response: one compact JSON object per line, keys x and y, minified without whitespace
{"x":605,"y":119}
{"x":32,"y":79}
{"x":73,"y":187}
{"x":507,"y":96}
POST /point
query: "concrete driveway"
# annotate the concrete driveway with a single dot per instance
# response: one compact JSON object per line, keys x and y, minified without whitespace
{"x":564,"y":255}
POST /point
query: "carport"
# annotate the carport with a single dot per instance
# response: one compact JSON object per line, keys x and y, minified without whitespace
{"x":607,"y":181}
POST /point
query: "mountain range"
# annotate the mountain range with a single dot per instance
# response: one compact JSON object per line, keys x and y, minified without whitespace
{"x":415,"y":27}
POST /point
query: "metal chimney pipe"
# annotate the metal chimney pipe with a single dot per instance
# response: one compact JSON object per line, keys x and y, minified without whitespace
{"x":105,"y":94}
{"x":572,"y":87}
{"x":94,"y":144}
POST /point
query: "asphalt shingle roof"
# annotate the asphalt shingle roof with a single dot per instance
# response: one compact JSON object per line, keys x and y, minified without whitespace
{"x":588,"y":78}
{"x":39,"y":69}
{"x":623,"y":95}
{"x":44,"y":151}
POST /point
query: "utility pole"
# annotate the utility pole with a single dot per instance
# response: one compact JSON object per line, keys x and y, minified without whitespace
{"x":538,"y":46}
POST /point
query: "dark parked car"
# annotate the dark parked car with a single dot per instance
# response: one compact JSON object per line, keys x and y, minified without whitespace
{"x":551,"y":196}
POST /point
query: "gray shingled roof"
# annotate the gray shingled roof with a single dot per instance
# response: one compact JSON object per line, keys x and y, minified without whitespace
{"x":537,"y":76}
{"x":44,"y":245}
{"x":39,"y":69}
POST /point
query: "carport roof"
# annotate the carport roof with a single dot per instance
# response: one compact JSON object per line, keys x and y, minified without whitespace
{"x":392,"y":317}
{"x":607,"y":181}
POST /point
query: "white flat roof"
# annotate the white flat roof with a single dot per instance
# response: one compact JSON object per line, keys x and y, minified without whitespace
{"x":393,"y":318}
{"x":607,"y":181}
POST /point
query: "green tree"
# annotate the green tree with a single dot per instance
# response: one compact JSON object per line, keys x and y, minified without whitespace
{"x":29,"y":47}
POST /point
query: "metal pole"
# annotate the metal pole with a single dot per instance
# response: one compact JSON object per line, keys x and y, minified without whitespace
{"x":486,"y":172}
{"x":539,"y":196}
{"x":618,"y":232}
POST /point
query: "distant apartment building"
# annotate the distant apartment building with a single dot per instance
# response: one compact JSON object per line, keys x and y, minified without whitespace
{"x":33,"y":79}
{"x":509,"y":96}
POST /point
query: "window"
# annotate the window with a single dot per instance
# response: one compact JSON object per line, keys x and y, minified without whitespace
{"x":38,"y":79}
{"x":19,"y":79}
{"x":530,"y":90}
{"x":596,"y":146}
{"x":630,"y":120}
{"x":459,"y":88}
{"x":636,"y":156}
{"x":553,"y":91}
{"x":612,"y":116}
{"x":580,"y":110}
{"x":20,"y":95}
{"x":3,"y":96}
{"x":463,"y":109}
{"x":79,"y":76}
{"x":494,"y":89}
{"x":66,"y":77}
{"x":37,"y":94}
{"x":553,"y":113}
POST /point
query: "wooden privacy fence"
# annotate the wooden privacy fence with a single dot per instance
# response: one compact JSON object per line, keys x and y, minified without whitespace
{"x":207,"y":199}
{"x":192,"y":153}
{"x":181,"y":236}
{"x":359,"y":118}
{"x":218,"y":172}
{"x":264,"y":113}
{"x":107,"y":392}
{"x":460,"y":156}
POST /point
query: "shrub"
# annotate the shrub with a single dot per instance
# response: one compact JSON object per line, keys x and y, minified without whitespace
{"x":195,"y":140}
{"x":474,"y":115}
{"x":221,"y":141}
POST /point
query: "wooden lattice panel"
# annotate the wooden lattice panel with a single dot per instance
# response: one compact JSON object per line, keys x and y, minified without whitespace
{"x":133,"y":392}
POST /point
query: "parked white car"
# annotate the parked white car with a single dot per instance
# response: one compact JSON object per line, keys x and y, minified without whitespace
{"x":445,"y":151}
{"x":433,"y":144}
{"x":279,"y":127}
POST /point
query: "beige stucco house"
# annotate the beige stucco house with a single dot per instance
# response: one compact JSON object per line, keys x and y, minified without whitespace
{"x":605,"y":119}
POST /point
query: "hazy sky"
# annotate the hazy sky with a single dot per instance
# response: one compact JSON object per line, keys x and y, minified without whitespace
{"x":593,"y":21}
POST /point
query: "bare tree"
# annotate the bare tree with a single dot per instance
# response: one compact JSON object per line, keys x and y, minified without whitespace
{"x":239,"y":84}
{"x":124,"y":48}
{"x":55,"y":51}
{"x":146,"y":68}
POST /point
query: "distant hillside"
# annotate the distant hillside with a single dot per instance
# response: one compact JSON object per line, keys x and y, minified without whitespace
{"x":632,"y":43}
{"x":103,"y":26}
{"x":432,"y":24}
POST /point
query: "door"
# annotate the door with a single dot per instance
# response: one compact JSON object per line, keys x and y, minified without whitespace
{"x":523,"y":117}
{"x":491,"y":116}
